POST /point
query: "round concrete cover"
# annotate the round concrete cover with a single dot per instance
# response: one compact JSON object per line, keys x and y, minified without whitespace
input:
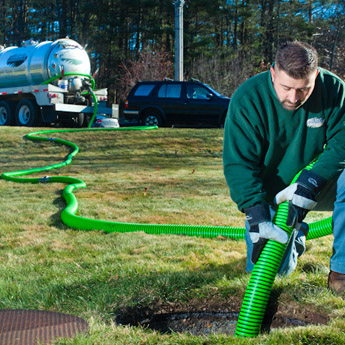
{"x":29,"y":327}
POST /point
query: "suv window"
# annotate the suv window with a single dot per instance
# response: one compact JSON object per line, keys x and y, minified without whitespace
{"x":170,"y":91}
{"x":197,"y":92}
{"x":143,"y":90}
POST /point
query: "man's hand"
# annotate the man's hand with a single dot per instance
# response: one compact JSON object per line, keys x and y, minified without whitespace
{"x":262,"y":229}
{"x":301,"y":196}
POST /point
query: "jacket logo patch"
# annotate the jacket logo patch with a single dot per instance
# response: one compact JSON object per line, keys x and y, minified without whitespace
{"x":315,"y":122}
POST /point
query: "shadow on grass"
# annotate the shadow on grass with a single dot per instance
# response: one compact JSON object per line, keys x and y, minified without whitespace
{"x":123,"y":290}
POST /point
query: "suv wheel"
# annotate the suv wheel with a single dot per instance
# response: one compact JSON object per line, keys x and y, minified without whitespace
{"x":151,"y":119}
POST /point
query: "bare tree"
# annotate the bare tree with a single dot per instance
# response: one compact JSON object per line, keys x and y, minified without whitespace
{"x":223,"y":74}
{"x":149,"y":66}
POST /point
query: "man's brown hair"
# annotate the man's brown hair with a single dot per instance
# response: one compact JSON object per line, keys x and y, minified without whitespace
{"x":297,"y":59}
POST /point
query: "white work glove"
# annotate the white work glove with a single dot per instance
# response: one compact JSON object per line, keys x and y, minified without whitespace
{"x":262,"y":229}
{"x":301,"y":196}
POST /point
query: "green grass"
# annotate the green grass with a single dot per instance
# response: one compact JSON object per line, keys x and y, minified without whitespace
{"x":170,"y":176}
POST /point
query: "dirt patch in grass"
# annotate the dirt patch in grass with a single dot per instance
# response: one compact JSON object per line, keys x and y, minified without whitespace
{"x":215,"y":315}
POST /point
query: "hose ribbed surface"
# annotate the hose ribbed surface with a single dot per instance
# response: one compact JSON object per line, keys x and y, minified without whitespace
{"x":319,"y":229}
{"x":261,"y":281}
{"x":264,"y":272}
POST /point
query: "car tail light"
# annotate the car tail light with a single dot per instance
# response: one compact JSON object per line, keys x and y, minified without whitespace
{"x":126,"y":103}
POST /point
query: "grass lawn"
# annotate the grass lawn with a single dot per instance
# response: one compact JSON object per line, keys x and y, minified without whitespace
{"x":163,"y":176}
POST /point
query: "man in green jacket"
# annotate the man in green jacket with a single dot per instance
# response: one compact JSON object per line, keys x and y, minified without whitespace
{"x":277,"y":123}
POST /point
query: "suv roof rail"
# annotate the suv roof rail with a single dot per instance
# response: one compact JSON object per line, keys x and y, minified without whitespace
{"x":194,"y":80}
{"x":167,"y":79}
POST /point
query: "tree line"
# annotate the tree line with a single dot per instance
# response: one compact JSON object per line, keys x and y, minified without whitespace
{"x":225,"y":41}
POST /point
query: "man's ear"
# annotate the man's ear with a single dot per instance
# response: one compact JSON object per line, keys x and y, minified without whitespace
{"x":317,"y":73}
{"x":272,"y":74}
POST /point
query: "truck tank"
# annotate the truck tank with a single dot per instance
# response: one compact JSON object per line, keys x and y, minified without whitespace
{"x":33,"y":64}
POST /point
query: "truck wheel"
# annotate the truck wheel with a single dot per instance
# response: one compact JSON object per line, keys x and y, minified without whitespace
{"x":27,"y":113}
{"x":6,"y":117}
{"x":87,"y":119}
{"x":151,"y":119}
{"x":80,"y":119}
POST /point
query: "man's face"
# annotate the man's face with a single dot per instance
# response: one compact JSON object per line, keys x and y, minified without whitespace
{"x":292,"y":93}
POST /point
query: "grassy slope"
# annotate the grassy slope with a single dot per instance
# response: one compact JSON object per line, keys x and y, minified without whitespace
{"x":161,"y":176}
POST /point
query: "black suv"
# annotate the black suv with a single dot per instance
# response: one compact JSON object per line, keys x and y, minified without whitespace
{"x":162,"y":103}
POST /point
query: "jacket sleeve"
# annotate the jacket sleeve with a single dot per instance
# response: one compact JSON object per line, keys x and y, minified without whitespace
{"x":242,"y":156}
{"x":332,"y":161}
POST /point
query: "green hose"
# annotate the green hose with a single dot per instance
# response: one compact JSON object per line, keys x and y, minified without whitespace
{"x":264,"y":272}
{"x":69,"y":216}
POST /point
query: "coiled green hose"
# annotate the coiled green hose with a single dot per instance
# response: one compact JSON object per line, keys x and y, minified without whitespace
{"x":259,"y":287}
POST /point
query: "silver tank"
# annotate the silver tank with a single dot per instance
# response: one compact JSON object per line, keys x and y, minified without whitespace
{"x":37,"y":63}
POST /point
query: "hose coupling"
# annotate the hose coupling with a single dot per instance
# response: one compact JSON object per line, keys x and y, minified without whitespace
{"x":44,"y":179}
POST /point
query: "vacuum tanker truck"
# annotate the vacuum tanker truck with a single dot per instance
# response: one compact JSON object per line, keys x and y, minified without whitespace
{"x":48,"y":82}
